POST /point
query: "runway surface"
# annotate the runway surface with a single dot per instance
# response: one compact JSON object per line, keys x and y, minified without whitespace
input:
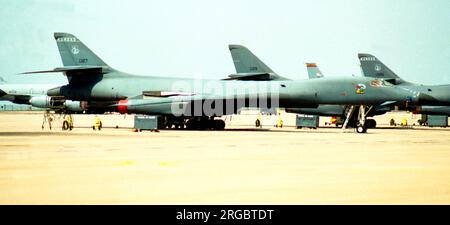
{"x":241,"y":165}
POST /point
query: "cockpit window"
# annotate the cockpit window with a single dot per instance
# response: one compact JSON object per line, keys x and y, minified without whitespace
{"x":386,"y":83}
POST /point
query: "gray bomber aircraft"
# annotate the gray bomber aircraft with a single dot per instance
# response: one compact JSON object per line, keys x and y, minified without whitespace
{"x":372,"y":67}
{"x":336,"y":110}
{"x":242,"y":54}
{"x":430,"y":102}
{"x":194,"y":103}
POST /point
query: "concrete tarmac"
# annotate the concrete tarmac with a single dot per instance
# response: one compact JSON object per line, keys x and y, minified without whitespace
{"x":241,"y":165}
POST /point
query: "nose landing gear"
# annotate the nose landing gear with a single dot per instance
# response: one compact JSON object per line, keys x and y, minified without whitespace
{"x":361,"y":129}
{"x":361,"y":122}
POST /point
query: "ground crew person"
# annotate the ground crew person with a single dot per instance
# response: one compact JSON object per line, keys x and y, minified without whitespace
{"x":258,"y":121}
{"x":97,"y":124}
{"x":280,"y":123}
{"x":392,"y":122}
{"x":70,"y":121}
{"x":48,"y":118}
{"x":404,"y":122}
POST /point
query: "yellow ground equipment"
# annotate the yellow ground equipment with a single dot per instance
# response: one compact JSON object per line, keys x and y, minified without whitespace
{"x":280,"y":123}
{"x":404,"y":122}
{"x":97,"y":124}
{"x":67,"y":123}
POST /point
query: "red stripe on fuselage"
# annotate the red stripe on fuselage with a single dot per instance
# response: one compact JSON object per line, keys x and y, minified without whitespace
{"x":122,"y":107}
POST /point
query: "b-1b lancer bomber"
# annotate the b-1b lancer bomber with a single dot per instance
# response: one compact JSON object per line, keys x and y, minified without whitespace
{"x":195,"y":103}
{"x":434,"y":99}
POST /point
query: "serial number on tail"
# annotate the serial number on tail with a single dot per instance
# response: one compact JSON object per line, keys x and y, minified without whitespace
{"x":66,"y":39}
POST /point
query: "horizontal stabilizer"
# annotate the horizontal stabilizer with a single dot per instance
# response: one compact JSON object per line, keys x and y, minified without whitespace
{"x":79,"y":74}
{"x":250,"y":76}
{"x":73,"y":70}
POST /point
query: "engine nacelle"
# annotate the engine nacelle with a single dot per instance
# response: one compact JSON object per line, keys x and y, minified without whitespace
{"x":73,"y":106}
{"x":40,"y":101}
{"x":47,"y":102}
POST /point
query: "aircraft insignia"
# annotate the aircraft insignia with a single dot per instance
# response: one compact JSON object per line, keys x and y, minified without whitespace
{"x":75,"y":50}
{"x":360,"y":89}
{"x":376,"y":83}
{"x":377,"y":68}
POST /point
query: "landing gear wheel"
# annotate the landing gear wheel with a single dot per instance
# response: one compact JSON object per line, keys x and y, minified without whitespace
{"x":219,"y":124}
{"x":191,"y":124}
{"x":361,"y":129}
{"x":257,"y":123}
{"x":65,"y":125}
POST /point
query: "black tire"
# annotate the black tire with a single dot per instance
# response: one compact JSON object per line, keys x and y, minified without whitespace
{"x":191,"y":125}
{"x":371,"y":123}
{"x":361,"y":129}
{"x":219,"y":124}
{"x":65,"y":125}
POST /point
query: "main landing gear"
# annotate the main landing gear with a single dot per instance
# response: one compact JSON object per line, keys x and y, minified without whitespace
{"x":192,"y":123}
{"x":50,"y":119}
{"x":362,"y":123}
{"x":205,"y":123}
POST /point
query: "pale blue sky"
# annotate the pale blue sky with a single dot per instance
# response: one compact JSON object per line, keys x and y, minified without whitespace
{"x":183,"y":38}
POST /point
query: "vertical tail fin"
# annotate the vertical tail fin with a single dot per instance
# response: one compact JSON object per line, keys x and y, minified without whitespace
{"x":2,"y":81}
{"x":372,"y":67}
{"x":313,"y":71}
{"x":246,"y":62}
{"x":74,"y":53}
